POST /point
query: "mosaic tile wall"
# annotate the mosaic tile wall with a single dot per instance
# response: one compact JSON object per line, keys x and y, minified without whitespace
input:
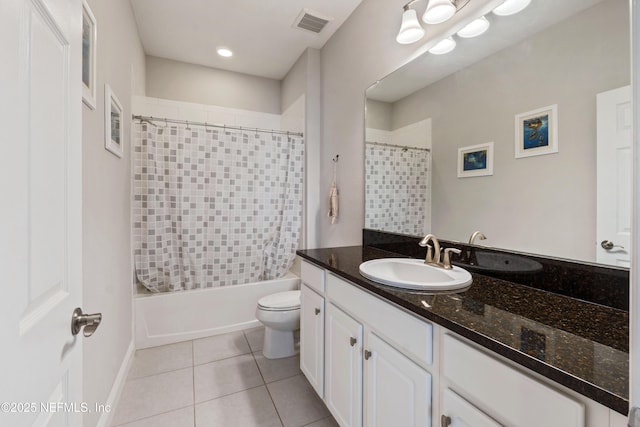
{"x":214,"y":207}
{"x":396,"y":189}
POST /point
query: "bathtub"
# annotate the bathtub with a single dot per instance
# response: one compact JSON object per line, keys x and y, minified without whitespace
{"x":171,"y":317}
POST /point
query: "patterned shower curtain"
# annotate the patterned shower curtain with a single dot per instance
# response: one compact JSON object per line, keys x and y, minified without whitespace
{"x":214,"y":207}
{"x":396,"y":190}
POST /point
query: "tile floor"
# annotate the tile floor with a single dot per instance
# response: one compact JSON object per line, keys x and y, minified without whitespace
{"x":218,"y":381}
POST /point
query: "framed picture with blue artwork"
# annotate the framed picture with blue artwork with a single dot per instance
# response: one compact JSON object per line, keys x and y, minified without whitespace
{"x":475,"y":160}
{"x":537,"y":132}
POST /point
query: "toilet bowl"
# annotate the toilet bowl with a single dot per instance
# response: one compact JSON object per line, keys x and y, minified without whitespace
{"x":280,"y":314}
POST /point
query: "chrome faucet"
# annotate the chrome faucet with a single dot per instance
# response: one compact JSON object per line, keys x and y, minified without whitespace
{"x":476,"y":234}
{"x":434,"y":258}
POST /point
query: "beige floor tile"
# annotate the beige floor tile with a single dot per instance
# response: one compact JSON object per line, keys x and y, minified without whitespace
{"x":216,"y":379}
{"x":151,"y":361}
{"x":327,"y":422}
{"x":180,"y":418}
{"x":255,"y":337}
{"x":296,"y":401}
{"x":247,"y":409}
{"x":153,"y":395}
{"x":277,"y":369}
{"x":219,"y":347}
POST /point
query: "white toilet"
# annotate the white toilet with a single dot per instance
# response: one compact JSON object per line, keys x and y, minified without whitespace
{"x":280,"y":314}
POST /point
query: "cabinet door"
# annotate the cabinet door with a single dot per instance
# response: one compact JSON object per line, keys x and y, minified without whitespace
{"x":397,"y":391}
{"x":343,"y":364}
{"x":457,"y":412}
{"x":312,"y":338}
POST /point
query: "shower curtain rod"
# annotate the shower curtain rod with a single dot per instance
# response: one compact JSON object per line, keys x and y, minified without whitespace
{"x":150,"y":119}
{"x":382,"y":144}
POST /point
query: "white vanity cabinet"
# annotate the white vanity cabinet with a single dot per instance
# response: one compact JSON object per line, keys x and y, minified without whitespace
{"x":343,"y":362}
{"x":504,"y":393}
{"x":378,"y":381}
{"x":397,"y":391}
{"x":312,"y":315}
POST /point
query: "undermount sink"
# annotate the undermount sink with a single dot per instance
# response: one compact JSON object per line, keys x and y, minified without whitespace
{"x":499,"y":262}
{"x":414,"y":274}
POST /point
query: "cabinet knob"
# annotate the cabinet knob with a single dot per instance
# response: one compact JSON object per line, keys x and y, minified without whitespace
{"x":367,"y":354}
{"x":317,"y":311}
{"x":352,"y":341}
{"x":445,"y":421}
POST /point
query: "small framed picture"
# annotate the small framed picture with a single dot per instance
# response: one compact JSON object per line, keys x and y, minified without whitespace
{"x":537,"y":132}
{"x":113,"y":134}
{"x":89,"y":34}
{"x":475,"y":160}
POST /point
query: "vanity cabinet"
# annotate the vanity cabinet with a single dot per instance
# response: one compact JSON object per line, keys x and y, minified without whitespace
{"x":374,"y":381}
{"x":516,"y":399}
{"x":397,"y":392}
{"x":312,"y":315}
{"x":343,"y":362}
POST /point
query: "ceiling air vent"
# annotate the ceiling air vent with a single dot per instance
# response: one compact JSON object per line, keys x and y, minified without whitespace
{"x":311,"y":21}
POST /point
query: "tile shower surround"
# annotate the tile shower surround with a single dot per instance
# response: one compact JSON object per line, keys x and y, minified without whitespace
{"x":574,"y":342}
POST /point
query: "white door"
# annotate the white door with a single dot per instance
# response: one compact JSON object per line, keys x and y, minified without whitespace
{"x":614,"y":176}
{"x":312,"y":338}
{"x":343,"y":367}
{"x":40,"y":212}
{"x":397,"y":391}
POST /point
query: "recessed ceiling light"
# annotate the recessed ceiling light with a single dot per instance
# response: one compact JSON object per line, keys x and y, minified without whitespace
{"x":223,"y":51}
{"x":511,"y":7}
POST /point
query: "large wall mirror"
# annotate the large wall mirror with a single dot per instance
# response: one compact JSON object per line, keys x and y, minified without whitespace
{"x":464,"y":142}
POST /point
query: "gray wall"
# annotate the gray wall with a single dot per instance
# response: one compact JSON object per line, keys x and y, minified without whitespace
{"x":303,"y":79}
{"x":361,"y":52}
{"x":180,"y":81}
{"x":380,"y":114}
{"x":528,"y":203}
{"x":107,"y":267}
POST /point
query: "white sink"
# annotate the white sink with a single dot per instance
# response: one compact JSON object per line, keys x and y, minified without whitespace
{"x":414,"y":274}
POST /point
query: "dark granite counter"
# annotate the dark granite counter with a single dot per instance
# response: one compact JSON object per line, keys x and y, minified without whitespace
{"x":579,"y":344}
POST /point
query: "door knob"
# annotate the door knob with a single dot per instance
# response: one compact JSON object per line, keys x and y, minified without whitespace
{"x":317,"y":311}
{"x":608,"y":245}
{"x":352,"y":341}
{"x":445,"y":421}
{"x":90,"y":322}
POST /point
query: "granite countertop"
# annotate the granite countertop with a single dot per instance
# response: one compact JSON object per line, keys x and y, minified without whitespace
{"x":581,"y":345}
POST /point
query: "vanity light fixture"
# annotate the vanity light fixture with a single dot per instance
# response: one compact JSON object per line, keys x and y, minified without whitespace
{"x":410,"y":30}
{"x":443,"y":46}
{"x":474,"y":28}
{"x":225,"y":52}
{"x":511,"y":7}
{"x":438,"y":11}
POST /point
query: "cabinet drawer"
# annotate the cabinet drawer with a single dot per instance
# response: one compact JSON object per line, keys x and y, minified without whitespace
{"x":462,"y":413}
{"x":504,"y":392}
{"x":312,"y":276}
{"x":410,"y":335}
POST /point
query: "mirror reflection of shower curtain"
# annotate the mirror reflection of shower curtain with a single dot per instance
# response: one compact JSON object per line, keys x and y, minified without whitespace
{"x":396,"y":189}
{"x":214,"y":207}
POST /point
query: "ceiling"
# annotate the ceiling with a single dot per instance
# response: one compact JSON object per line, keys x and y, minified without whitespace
{"x":261,"y":33}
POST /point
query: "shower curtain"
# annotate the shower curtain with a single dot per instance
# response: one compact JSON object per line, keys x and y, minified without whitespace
{"x":396,"y":189}
{"x":214,"y":207}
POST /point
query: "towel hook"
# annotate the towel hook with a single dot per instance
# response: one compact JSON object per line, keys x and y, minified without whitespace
{"x":335,"y":159}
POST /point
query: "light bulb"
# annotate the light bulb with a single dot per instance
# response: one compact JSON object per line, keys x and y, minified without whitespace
{"x":410,"y":30}
{"x":511,"y":7}
{"x":438,"y":11}
{"x":443,"y":46}
{"x":474,"y":28}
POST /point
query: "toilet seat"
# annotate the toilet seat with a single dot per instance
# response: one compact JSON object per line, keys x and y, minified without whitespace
{"x":281,"y":301}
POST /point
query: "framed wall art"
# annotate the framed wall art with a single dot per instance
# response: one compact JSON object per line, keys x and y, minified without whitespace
{"x":89,"y":35}
{"x":475,"y":160}
{"x":537,"y":132}
{"x":113,"y":115}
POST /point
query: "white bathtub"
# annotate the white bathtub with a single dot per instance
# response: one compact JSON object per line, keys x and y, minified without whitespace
{"x":179,"y":316}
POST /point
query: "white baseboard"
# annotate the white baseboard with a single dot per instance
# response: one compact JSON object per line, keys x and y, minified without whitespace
{"x":116,"y":390}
